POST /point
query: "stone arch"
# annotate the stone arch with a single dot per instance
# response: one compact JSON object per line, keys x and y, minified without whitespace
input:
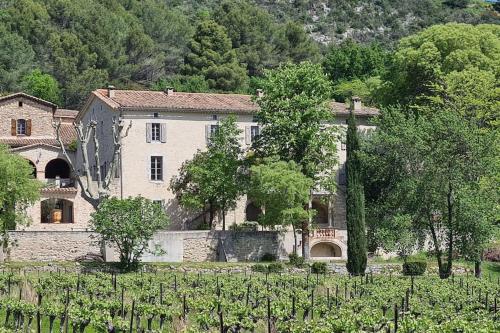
{"x":321,"y":216}
{"x":326,"y":250}
{"x":252,"y":212}
{"x":57,"y":168}
{"x":55,"y":210}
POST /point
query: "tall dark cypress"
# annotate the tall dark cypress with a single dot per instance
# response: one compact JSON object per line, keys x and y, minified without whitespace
{"x":355,"y":204}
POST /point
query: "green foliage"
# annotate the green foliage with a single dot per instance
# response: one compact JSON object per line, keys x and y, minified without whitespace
{"x":42,"y":85}
{"x":16,"y":57}
{"x":294,"y":45}
{"x":261,"y":268}
{"x":414,"y":266}
{"x":213,"y":179}
{"x":128,"y":224}
{"x":18,"y":189}
{"x":268,"y":257}
{"x":430,"y":64}
{"x":365,"y":89}
{"x":355,"y":204}
{"x":211,"y":55}
{"x":318,"y":267}
{"x":296,"y":260}
{"x":438,"y":170}
{"x":282,"y":190}
{"x":275,"y":267}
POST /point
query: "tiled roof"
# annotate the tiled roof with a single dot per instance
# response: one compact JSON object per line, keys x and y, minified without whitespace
{"x":142,"y":99}
{"x":65,"y":113}
{"x":33,"y":98}
{"x":160,"y":100}
{"x":68,"y":135}
{"x":57,"y":190}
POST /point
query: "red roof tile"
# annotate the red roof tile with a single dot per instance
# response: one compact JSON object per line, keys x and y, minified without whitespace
{"x":151,"y":100}
{"x":68,"y":135}
{"x":56,"y":190}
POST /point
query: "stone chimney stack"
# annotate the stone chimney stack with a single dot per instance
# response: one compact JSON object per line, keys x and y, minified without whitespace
{"x":355,"y":103}
{"x":169,"y":91}
{"x":260,"y":93}
{"x":111,"y":91}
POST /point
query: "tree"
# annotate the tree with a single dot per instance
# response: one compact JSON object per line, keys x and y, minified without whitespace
{"x":43,"y":86}
{"x":431,"y":167}
{"x":214,"y":179}
{"x":294,"y":44}
{"x":282,"y":191}
{"x":211,"y":55}
{"x":294,"y":114}
{"x":85,"y":133}
{"x":355,"y":204}
{"x":18,"y":190}
{"x":423,"y":62}
{"x":128,"y":224}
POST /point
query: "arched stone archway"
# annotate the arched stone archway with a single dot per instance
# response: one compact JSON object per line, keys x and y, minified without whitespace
{"x":57,"y":168}
{"x":252,"y":212}
{"x":56,"y":211}
{"x":321,"y":216}
{"x":326,"y":250}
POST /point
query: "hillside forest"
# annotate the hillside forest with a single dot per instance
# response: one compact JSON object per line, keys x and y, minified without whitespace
{"x":60,"y":50}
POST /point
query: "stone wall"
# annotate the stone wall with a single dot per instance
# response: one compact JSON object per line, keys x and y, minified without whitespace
{"x":49,"y":245}
{"x":166,"y":246}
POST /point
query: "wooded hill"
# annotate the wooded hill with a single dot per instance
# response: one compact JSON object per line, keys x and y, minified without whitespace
{"x":61,"y":49}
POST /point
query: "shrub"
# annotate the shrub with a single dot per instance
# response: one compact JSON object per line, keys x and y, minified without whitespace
{"x":318,"y":268}
{"x":259,"y":268}
{"x":275,"y":267}
{"x":414,"y":266}
{"x":296,"y":260}
{"x":268,"y":257}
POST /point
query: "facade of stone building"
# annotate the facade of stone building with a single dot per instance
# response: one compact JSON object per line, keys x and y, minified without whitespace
{"x":168,"y":128}
{"x":26,"y":127}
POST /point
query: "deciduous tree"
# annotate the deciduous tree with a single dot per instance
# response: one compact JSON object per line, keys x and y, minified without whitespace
{"x":43,"y":86}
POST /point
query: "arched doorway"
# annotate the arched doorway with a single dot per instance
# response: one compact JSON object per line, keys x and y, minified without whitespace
{"x":57,"y":168}
{"x":326,"y":250}
{"x":321,"y":216}
{"x":252,"y":212}
{"x":56,"y":211}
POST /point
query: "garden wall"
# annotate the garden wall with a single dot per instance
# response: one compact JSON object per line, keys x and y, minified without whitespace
{"x":166,"y":246}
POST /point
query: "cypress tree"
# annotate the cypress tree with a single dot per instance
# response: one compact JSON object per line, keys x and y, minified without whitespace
{"x":355,"y":204}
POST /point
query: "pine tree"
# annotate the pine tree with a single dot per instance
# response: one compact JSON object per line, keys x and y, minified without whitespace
{"x":356,"y":236}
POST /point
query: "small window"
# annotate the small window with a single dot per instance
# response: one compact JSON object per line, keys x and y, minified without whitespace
{"x":21,"y":127}
{"x":213,"y":129}
{"x":255,"y":119}
{"x":254,"y":132}
{"x":20,"y":104}
{"x":157,"y":168}
{"x":155,"y":132}
{"x":214,"y":117}
{"x":155,"y":115}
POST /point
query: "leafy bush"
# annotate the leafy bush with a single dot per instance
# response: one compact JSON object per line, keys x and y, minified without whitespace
{"x":275,"y":267}
{"x":318,"y":268}
{"x":414,"y":266}
{"x":268,"y":257}
{"x":296,"y":260}
{"x":259,"y":268}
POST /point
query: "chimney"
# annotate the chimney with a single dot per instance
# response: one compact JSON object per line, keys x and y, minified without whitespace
{"x":111,"y":91}
{"x":260,"y":93}
{"x":169,"y":91}
{"x":355,"y":103}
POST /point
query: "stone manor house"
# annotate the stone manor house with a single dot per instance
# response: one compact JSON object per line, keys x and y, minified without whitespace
{"x":166,"y":129}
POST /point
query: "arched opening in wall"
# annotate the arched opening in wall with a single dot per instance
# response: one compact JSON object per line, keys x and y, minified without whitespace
{"x":57,"y":168}
{"x":321,"y":216}
{"x":33,"y":173}
{"x":56,"y":211}
{"x":252,"y":212}
{"x":326,"y":250}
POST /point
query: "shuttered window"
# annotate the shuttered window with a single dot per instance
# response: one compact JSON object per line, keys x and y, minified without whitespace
{"x":156,"y":132}
{"x":21,"y":127}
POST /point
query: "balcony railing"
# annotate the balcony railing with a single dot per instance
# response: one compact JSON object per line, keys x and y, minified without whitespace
{"x":59,"y":182}
{"x":323,"y":233}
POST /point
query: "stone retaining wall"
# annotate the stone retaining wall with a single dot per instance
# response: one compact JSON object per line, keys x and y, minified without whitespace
{"x":49,"y":245}
{"x":166,"y":246}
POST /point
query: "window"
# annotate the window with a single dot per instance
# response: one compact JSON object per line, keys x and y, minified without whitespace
{"x":255,"y":119}
{"x":155,"y":132}
{"x":254,"y":132}
{"x":214,"y":117}
{"x":213,"y":129}
{"x":155,"y":115}
{"x":21,"y":127}
{"x":20,"y":104}
{"x":157,"y":168}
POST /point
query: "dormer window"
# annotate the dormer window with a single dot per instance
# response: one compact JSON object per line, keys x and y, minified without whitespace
{"x":21,"y":126}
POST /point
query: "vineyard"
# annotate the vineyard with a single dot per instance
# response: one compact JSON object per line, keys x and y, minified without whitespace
{"x":244,"y":302}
